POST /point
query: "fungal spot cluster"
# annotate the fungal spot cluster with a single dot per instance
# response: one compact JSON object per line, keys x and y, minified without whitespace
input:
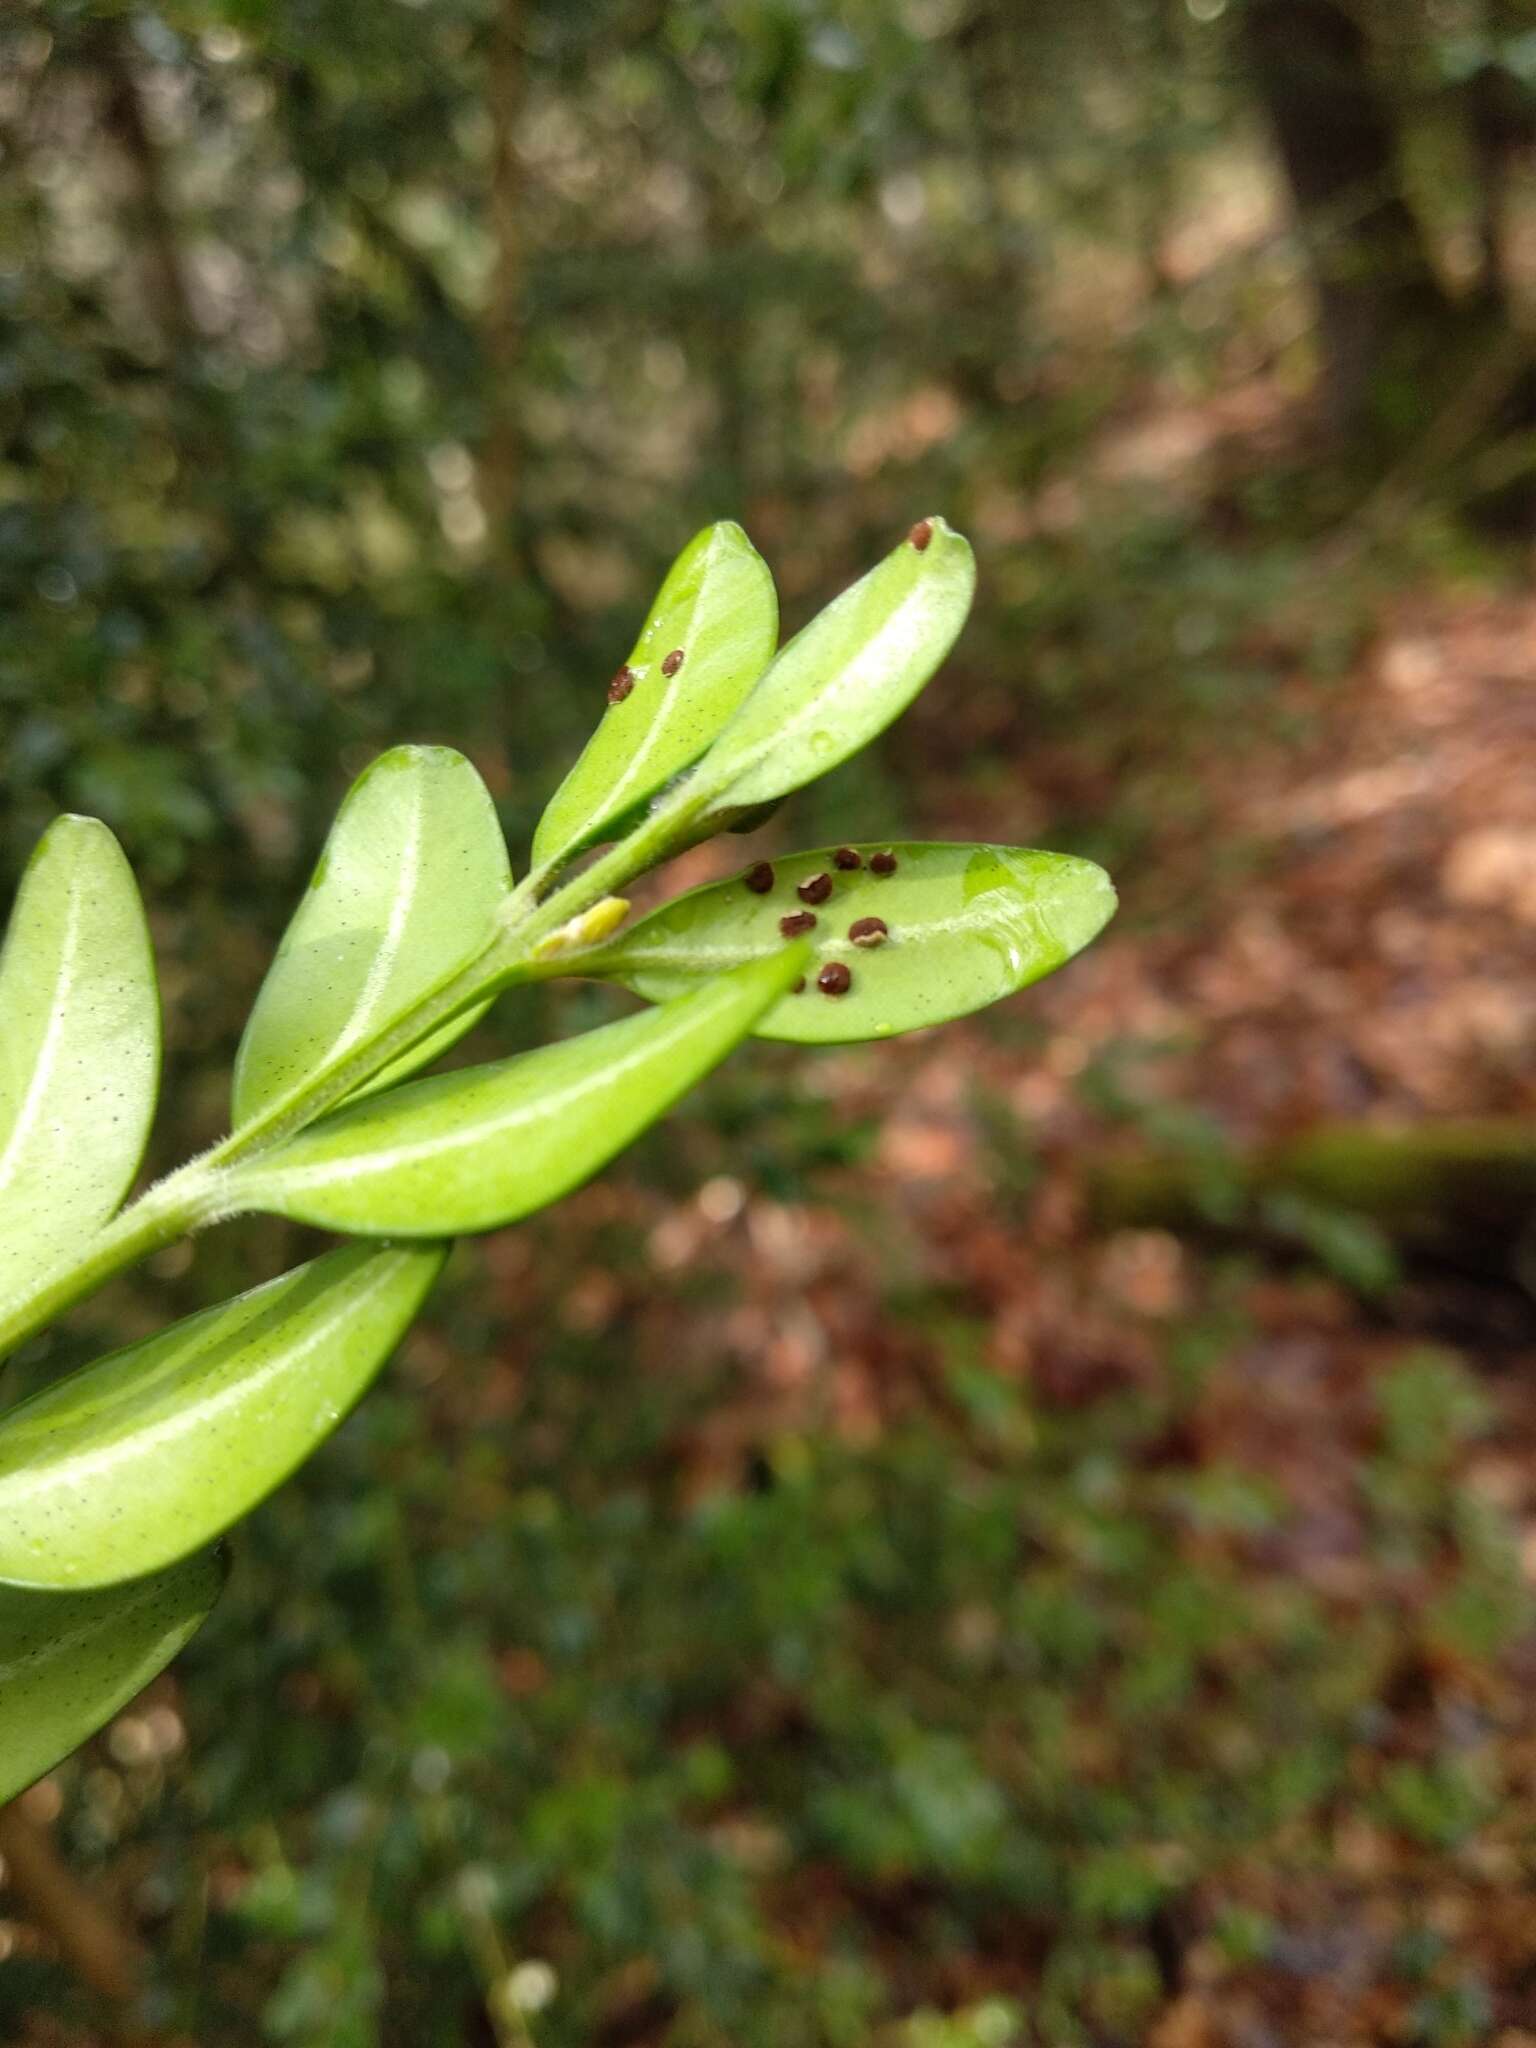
{"x":625,"y":679}
{"x":836,"y":977}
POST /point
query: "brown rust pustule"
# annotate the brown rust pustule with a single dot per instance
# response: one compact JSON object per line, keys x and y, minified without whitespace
{"x":797,"y":924}
{"x":835,"y":979}
{"x":673,"y":662}
{"x":798,"y":987}
{"x":622,"y":684}
{"x":869,"y":931}
{"x":847,"y":858}
{"x":921,"y":534}
{"x":759,"y":879}
{"x":882,"y":863}
{"x":815,"y":889}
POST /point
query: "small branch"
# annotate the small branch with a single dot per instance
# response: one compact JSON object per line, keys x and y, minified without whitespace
{"x":105,"y":1958}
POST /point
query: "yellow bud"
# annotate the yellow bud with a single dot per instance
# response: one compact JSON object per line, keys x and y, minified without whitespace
{"x":586,"y":930}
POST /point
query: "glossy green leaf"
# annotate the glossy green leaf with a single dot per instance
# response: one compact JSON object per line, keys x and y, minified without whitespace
{"x":69,"y":1661}
{"x":147,"y":1455}
{"x":79,"y":1047}
{"x":966,"y":925}
{"x":718,"y":609}
{"x":472,"y":1150}
{"x":840,"y":681}
{"x":406,"y":889}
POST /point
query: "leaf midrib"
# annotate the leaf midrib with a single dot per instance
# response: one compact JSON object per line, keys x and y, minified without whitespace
{"x":47,"y":1056}
{"x":386,"y":959}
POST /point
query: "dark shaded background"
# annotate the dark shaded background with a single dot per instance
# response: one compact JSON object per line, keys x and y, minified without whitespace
{"x":1021,"y":1536}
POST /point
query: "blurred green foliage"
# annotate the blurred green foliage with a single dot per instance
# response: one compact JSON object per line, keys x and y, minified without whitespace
{"x":1011,"y":1686}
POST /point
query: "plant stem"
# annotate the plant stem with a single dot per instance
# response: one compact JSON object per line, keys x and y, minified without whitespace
{"x":165,"y":1212}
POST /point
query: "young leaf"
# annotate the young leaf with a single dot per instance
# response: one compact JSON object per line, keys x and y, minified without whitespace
{"x":475,"y":1149}
{"x":145,"y":1456}
{"x":717,"y":610}
{"x":840,"y":681}
{"x":406,"y":889}
{"x":945,"y":930}
{"x":79,"y":1046}
{"x":68,"y":1661}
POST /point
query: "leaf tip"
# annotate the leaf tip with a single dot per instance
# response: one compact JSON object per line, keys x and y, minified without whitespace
{"x":1082,"y":906}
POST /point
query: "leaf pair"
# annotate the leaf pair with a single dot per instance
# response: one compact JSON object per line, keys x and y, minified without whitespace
{"x":408,"y":887}
{"x":704,"y":704}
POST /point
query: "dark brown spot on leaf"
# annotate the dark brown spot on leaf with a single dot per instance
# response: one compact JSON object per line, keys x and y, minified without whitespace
{"x":759,"y":879}
{"x":846,"y":859}
{"x":621,"y":685}
{"x":882,"y":863}
{"x":797,"y":923}
{"x":673,"y":662}
{"x":834,"y":979}
{"x":869,"y":931}
{"x":921,"y":534}
{"x":815,"y":889}
{"x":799,"y":987}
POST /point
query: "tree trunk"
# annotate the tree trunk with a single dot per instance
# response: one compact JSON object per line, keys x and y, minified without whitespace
{"x":1380,"y":302}
{"x":152,"y":221}
{"x":501,"y":452}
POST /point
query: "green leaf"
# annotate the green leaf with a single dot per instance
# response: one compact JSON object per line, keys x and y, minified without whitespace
{"x":147,"y":1455}
{"x":406,"y":889}
{"x":717,"y":608}
{"x":473,"y":1150}
{"x":69,"y":1661}
{"x":840,"y":681}
{"x":79,"y":1047}
{"x":966,"y":925}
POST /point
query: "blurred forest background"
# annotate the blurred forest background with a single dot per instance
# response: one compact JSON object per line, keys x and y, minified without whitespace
{"x":1022,"y":1536}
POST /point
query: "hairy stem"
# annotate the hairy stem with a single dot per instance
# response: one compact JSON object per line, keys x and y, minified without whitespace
{"x":165,"y":1212}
